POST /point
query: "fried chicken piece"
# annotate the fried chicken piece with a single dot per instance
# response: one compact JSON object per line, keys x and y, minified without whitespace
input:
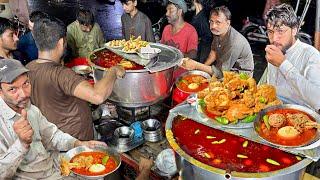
{"x":248,"y":99}
{"x":252,"y":85}
{"x":236,"y":84}
{"x":237,"y":111}
{"x":215,"y":84}
{"x":203,"y":93}
{"x":299,"y":121}
{"x":266,"y":93}
{"x":228,"y":75}
{"x":277,"y":120}
{"x":218,"y":98}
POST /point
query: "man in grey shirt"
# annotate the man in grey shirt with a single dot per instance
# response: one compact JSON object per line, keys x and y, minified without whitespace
{"x":229,"y":49}
{"x":135,"y":23}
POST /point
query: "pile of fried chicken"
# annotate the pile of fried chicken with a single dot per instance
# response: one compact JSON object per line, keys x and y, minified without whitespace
{"x":237,"y":96}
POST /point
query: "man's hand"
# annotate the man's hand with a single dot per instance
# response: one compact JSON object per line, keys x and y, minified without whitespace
{"x":145,"y":164}
{"x":274,"y":55}
{"x":90,"y":144}
{"x":119,"y":70}
{"x":23,"y":129}
{"x":188,"y":64}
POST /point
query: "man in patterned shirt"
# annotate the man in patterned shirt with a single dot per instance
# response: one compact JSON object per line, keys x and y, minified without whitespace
{"x":27,"y":139}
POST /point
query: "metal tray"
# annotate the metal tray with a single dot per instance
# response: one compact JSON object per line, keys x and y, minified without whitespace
{"x":191,"y":112}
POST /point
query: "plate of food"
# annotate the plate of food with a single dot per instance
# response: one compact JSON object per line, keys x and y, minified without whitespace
{"x":288,"y":125}
{"x":133,"y":45}
{"x":90,"y":163}
{"x":235,"y":101}
{"x":116,"y":44}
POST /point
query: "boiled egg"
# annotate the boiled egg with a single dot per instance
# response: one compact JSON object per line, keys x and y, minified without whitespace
{"x":96,"y":168}
{"x":193,"y":86}
{"x":288,"y":132}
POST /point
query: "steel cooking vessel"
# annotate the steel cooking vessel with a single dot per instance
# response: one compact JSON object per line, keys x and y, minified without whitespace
{"x":194,"y":169}
{"x":147,"y":86}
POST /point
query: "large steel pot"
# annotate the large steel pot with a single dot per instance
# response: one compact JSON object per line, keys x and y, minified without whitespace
{"x":148,"y":86}
{"x":194,"y":169}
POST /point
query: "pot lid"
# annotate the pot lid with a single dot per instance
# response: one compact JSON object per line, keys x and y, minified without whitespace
{"x":166,"y":59}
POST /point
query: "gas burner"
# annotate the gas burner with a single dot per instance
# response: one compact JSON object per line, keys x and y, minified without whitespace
{"x":129,"y":115}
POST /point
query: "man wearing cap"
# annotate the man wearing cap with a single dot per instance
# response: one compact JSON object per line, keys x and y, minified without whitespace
{"x":179,"y":33}
{"x":60,"y":93}
{"x":27,"y":139}
{"x":229,"y":49}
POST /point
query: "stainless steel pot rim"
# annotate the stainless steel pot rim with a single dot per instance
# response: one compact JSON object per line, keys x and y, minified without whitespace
{"x":291,"y":106}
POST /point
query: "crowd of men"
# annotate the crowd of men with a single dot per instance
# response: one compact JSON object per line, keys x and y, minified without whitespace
{"x":45,"y":105}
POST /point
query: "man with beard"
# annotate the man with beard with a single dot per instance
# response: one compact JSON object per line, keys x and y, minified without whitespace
{"x":179,"y":33}
{"x":27,"y":139}
{"x":9,"y":41}
{"x":135,"y":23}
{"x":293,"y":66}
{"x":84,"y":35}
{"x":60,"y":93}
{"x":229,"y":49}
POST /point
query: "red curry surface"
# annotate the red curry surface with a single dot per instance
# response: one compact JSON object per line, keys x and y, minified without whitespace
{"x":188,"y":79}
{"x":106,"y":58}
{"x":192,"y":137}
{"x":272,"y":134}
{"x":97,"y":159}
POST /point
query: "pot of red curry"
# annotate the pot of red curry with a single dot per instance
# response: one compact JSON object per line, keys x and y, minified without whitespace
{"x":216,"y":154}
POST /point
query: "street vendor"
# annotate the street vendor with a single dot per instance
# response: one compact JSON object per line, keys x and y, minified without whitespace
{"x":27,"y":139}
{"x":60,"y":93}
{"x":178,"y":33}
{"x":135,"y":23}
{"x":84,"y":35}
{"x":293,"y":66}
{"x":229,"y":49}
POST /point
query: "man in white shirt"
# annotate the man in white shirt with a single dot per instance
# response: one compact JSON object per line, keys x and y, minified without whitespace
{"x":293,"y":66}
{"x":27,"y":139}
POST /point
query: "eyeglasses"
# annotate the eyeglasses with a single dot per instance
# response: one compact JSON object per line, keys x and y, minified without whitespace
{"x":277,"y":30}
{"x":214,"y":22}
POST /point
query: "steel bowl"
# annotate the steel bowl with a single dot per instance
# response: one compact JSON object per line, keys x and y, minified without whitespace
{"x":111,"y":152}
{"x":123,"y":134}
{"x":152,"y":130}
{"x":178,"y":95}
{"x":310,"y":112}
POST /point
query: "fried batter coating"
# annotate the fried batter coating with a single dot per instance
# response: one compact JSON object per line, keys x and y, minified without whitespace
{"x":266,"y":92}
{"x":237,"y":111}
{"x":277,"y":120}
